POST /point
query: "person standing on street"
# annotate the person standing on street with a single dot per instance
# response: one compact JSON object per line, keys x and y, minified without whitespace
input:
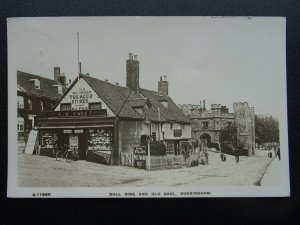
{"x":237,"y":156}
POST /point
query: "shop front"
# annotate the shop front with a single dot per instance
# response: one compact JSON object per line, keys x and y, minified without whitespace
{"x":89,"y":132}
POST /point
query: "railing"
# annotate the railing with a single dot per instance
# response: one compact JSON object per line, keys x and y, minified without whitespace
{"x":160,"y":162}
{"x":166,"y":162}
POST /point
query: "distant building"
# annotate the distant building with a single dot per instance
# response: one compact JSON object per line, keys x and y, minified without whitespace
{"x":98,"y":117}
{"x":35,"y":95}
{"x":207,"y":124}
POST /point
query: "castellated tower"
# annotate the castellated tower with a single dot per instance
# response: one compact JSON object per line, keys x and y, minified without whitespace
{"x":132,"y":73}
{"x":244,"y":118}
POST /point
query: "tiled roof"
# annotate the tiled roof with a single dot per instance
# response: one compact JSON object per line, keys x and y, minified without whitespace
{"x":171,"y":113}
{"x":46,"y":85}
{"x":115,"y":96}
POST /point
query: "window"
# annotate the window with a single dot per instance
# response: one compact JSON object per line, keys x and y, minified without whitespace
{"x":205,"y":125}
{"x":65,"y":106}
{"x":170,"y":150}
{"x":29,"y":106}
{"x":96,"y":105}
{"x":42,"y":105}
{"x":20,"y":103}
{"x":20,"y":123}
{"x":36,"y":83}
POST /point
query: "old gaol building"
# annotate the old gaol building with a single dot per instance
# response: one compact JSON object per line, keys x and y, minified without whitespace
{"x":96,"y":116}
{"x":207,"y":123}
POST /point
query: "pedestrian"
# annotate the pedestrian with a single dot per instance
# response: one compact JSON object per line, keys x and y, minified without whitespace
{"x":237,"y":157}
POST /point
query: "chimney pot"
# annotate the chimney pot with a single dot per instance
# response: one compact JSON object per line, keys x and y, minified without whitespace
{"x":130,"y":55}
{"x":106,"y":80}
{"x":117,"y":83}
{"x":135,"y":57}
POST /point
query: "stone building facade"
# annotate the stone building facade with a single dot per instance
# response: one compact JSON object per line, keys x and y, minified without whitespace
{"x":207,"y":124}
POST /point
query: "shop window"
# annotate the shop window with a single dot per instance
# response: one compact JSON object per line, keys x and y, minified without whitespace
{"x":170,"y":148}
{"x":100,"y":139}
{"x":96,"y":105}
{"x":20,"y":103}
{"x":49,"y":140}
{"x":65,"y":106}
{"x":29,"y":106}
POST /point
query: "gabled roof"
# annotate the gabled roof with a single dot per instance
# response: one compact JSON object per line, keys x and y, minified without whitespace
{"x":115,"y":96}
{"x":47,"y":89}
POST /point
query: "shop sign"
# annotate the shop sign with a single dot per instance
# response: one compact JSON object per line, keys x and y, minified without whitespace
{"x":140,"y":157}
{"x":75,"y":113}
{"x":80,"y":98}
{"x":67,"y":131}
{"x":78,"y":131}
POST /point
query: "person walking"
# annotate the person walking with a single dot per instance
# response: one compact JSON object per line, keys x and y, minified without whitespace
{"x":237,"y":156}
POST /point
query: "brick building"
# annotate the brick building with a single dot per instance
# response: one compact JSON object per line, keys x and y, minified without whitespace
{"x":207,"y":124}
{"x":98,"y":117}
{"x":35,"y":95}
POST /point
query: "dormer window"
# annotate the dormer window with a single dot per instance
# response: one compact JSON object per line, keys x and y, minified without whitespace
{"x":139,"y":110}
{"x":165,"y":103}
{"x":36,"y":83}
{"x":58,"y":88}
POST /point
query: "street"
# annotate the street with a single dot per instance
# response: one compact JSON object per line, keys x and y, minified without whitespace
{"x":42,"y":171}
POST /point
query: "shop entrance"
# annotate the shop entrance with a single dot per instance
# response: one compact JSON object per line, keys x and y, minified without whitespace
{"x":79,"y":142}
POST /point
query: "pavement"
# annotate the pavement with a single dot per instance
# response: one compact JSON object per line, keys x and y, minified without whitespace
{"x":42,"y":171}
{"x":271,"y":176}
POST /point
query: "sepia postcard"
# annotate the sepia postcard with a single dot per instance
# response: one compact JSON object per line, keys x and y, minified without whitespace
{"x":147,"y":107}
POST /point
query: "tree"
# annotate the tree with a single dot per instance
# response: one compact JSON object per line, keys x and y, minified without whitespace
{"x":228,"y":138}
{"x":266,"y":129}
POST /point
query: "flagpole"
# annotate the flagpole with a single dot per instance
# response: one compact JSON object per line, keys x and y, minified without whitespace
{"x":78,"y":55}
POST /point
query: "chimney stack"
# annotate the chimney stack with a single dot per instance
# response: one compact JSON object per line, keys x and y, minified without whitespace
{"x":204,"y":104}
{"x":57,"y":73}
{"x":117,"y":83}
{"x":62,"y":79}
{"x":132,"y":73}
{"x":163,"y":86}
{"x":106,"y":80}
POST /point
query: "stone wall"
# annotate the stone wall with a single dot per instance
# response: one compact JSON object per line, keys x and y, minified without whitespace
{"x":244,"y":118}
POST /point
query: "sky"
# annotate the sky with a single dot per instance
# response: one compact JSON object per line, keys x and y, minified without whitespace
{"x":219,"y":59}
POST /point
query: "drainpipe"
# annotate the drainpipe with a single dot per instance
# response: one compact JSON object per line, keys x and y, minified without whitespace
{"x":116,"y":141}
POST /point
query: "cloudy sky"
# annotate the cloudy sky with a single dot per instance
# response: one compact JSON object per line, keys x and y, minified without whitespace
{"x":221,"y":60}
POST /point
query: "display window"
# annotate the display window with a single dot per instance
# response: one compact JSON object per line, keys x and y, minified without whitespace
{"x":100,"y":139}
{"x":49,"y":140}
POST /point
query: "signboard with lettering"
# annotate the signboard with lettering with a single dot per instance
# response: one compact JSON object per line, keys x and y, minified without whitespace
{"x":75,"y":113}
{"x":31,"y":142}
{"x":80,"y":98}
{"x":140,"y":157}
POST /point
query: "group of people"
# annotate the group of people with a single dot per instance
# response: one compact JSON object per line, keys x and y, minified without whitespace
{"x":236,"y":154}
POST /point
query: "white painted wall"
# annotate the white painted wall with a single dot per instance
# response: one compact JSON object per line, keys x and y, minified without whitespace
{"x":169,"y":133}
{"x":83,"y":91}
